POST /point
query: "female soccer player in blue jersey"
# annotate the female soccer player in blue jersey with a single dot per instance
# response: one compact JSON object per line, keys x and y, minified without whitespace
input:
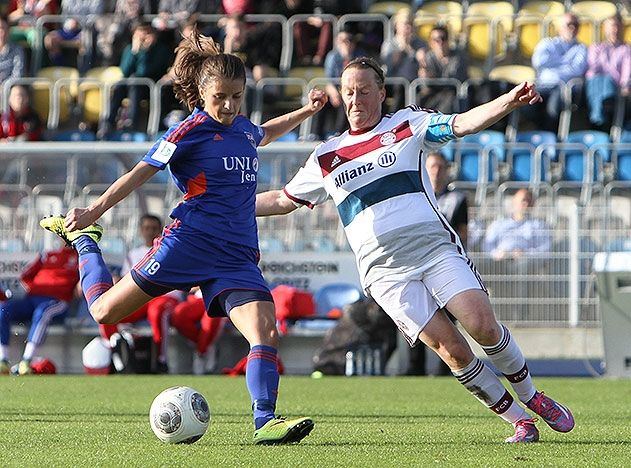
{"x":410,"y":260}
{"x":212,"y":241}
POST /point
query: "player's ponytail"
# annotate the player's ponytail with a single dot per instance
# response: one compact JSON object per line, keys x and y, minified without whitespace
{"x":199,"y":59}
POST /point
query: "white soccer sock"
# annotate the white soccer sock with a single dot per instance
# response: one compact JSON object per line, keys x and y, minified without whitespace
{"x":509,"y":360}
{"x":486,"y":387}
{"x":29,"y":351}
{"x":4,"y":352}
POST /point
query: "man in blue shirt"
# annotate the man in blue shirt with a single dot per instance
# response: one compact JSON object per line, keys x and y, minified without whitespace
{"x":557,"y":60}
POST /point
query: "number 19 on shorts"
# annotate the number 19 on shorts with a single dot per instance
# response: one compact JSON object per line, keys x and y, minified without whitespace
{"x":152,"y":267}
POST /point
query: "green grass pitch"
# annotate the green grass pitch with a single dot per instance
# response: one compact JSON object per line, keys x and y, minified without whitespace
{"x":76,"y":421}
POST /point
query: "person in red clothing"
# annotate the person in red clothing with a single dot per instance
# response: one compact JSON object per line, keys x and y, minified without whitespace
{"x":191,"y":321}
{"x":50,"y":282}
{"x":156,"y":311}
{"x":21,"y":122}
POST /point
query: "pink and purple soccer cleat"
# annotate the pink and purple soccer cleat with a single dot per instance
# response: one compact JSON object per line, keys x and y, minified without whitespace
{"x":557,"y":416}
{"x":525,"y":431}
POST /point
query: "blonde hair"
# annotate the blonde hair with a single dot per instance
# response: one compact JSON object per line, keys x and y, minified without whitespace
{"x":198,"y":60}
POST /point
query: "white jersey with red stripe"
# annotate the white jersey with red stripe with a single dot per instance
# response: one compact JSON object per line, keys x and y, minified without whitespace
{"x":383,"y":194}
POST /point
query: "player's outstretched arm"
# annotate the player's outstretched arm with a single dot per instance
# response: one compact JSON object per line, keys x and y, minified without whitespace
{"x":485,"y":115}
{"x":274,"y":202}
{"x":278,"y":126}
{"x":79,"y":218}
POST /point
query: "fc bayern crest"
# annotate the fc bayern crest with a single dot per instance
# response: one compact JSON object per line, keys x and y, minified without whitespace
{"x":387,"y":138}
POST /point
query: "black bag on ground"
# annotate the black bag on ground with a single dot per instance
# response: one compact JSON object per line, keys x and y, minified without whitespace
{"x":363,"y":325}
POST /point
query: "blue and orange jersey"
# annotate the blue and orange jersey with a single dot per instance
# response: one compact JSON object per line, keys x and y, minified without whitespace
{"x":215,"y":167}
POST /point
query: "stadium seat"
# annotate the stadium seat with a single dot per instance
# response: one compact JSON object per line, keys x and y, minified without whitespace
{"x":73,"y":135}
{"x":512,"y":73}
{"x":620,"y":244}
{"x":123,"y":135}
{"x":573,"y":161}
{"x":91,"y":92}
{"x":388,"y":8}
{"x":591,"y":14}
{"x":486,"y":25}
{"x":622,"y":161}
{"x":521,"y":164}
{"x":438,"y":12}
{"x":271,"y":244}
{"x":472,"y":149}
{"x":335,"y":296}
{"x":41,"y":92}
{"x":529,"y":23}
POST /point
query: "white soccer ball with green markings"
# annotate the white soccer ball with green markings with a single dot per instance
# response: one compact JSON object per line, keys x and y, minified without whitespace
{"x":179,"y":415}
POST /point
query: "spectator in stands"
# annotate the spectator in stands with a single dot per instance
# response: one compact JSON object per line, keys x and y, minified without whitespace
{"x":190,"y":319}
{"x":113,"y":31}
{"x":156,"y":311}
{"x":410,"y":262}
{"x":315,"y":28}
{"x":441,"y":61}
{"x":238,"y":7}
{"x":145,"y":57}
{"x":518,"y":236}
{"x":254,"y":52}
{"x":172,"y":13}
{"x":21,"y":122}
{"x":69,"y":34}
{"x":11,"y":56}
{"x":332,"y":119}
{"x":212,"y":156}
{"x":556,"y":61}
{"x":403,"y":53}
{"x":608,"y":73}
{"x":21,"y":15}
{"x":453,"y":206}
{"x":50,"y":282}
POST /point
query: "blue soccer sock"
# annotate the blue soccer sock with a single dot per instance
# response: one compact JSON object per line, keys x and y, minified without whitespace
{"x":94,"y":274}
{"x":261,"y":377}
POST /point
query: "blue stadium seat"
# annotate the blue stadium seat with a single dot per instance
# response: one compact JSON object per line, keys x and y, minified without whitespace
{"x":121,"y":135}
{"x":335,"y":296}
{"x":73,"y":135}
{"x":490,"y":140}
{"x":623,"y":159}
{"x":521,"y":164}
{"x":573,"y":162}
{"x":619,"y":244}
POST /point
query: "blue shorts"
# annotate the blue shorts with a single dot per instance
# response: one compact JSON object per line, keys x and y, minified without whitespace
{"x":227,"y":273}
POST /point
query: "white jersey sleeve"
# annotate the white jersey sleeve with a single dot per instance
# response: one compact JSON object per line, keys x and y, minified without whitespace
{"x":307,"y":186}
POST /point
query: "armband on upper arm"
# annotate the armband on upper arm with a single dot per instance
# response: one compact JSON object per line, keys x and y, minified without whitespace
{"x":440,"y":128}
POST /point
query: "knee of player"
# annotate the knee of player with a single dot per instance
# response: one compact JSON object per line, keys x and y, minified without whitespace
{"x":103,"y":314}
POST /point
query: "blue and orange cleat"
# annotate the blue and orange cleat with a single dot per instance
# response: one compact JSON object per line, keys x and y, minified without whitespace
{"x":557,"y":416}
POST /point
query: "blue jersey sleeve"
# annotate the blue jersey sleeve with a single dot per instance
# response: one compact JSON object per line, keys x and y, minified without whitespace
{"x":162,"y":153}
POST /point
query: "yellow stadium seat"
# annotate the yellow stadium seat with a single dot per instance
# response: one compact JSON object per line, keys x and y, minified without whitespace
{"x":307,"y":74}
{"x":432,"y":13}
{"x":477,"y":26}
{"x":591,"y":15}
{"x":42,"y":90}
{"x":530,"y":25}
{"x":91,"y":92}
{"x":388,"y":8}
{"x":627,"y":29}
{"x":513,"y":73}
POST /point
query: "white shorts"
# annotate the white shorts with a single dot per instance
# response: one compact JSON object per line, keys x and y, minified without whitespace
{"x":411,"y":303}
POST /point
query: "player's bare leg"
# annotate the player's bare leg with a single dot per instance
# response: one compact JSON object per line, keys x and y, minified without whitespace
{"x":443,"y":337}
{"x":473,"y":310}
{"x":257,"y":322}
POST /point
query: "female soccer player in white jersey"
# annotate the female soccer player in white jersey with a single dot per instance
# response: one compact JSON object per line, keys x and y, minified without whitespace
{"x":212,"y":242}
{"x":410,"y":260}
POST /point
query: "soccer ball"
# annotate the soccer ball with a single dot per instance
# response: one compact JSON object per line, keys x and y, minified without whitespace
{"x":179,"y":415}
